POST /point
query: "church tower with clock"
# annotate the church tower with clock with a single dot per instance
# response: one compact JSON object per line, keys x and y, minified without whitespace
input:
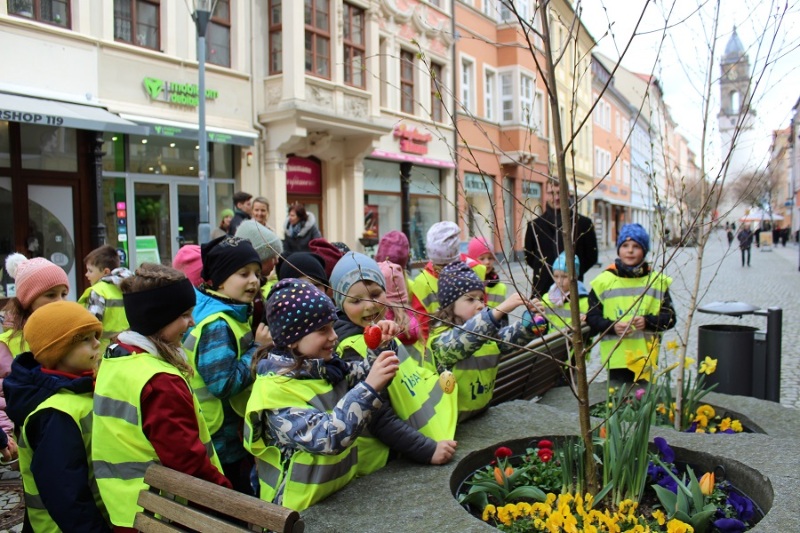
{"x":736,"y":116}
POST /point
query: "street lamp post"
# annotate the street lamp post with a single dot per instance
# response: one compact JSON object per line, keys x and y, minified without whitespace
{"x":201,"y":14}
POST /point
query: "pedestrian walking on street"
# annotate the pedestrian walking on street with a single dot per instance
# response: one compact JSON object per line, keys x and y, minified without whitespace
{"x":745,"y":242}
{"x":729,"y":233}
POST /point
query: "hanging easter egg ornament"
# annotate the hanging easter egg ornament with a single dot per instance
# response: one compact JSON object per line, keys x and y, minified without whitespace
{"x":373,"y":336}
{"x":447,"y":381}
{"x":539,"y":325}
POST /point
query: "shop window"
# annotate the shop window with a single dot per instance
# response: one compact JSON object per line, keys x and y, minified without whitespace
{"x":275,"y":37}
{"x":407,"y":82}
{"x":221,"y":164}
{"x":114,"y":153}
{"x":48,"y":148}
{"x":138,"y":22}
{"x":218,"y":50}
{"x":5,"y":145}
{"x":437,"y":108}
{"x":223,"y":199}
{"x":55,"y":12}
{"x":163,"y":155}
{"x":354,"y":46}
{"x":318,"y":38}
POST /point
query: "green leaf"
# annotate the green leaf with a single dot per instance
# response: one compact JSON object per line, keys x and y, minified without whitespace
{"x":668,"y":500}
{"x":477,"y":499}
{"x":533,"y":493}
{"x":683,"y":502}
{"x":694,"y":486}
{"x":701,"y":521}
{"x":602,"y":494}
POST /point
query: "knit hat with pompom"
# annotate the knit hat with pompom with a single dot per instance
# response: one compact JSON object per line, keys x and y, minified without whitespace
{"x":34,"y":277}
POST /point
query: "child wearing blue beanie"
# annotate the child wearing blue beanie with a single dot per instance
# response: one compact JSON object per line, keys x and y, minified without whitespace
{"x":629,"y":307}
{"x":555,"y":303}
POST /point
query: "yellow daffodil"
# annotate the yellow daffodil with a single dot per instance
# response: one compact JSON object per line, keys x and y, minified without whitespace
{"x":661,"y":409}
{"x":639,"y":365}
{"x":672,"y":346}
{"x":707,"y":483}
{"x":688,"y":361}
{"x":659,"y":517}
{"x":737,"y":426}
{"x":708,"y":366}
{"x":707,"y":411}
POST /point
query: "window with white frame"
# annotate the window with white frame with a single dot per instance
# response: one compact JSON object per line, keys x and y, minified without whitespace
{"x":488,"y":8}
{"x":489,"y":85}
{"x":507,"y":95}
{"x":602,"y":162}
{"x":539,"y":114}
{"x":618,"y":124}
{"x":602,"y":115}
{"x":526,"y":94}
{"x":626,"y":128}
{"x":506,"y":13}
{"x":467,"y":84}
{"x":626,"y":171}
{"x":407,"y":81}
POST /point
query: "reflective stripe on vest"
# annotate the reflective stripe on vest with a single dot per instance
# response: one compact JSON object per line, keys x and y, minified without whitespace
{"x":475,"y":377}
{"x":560,"y":316}
{"x":79,"y":408}
{"x":306,"y":478}
{"x":16,"y":343}
{"x":415,"y":393}
{"x":624,"y":298}
{"x":425,"y":287}
{"x":496,"y":294}
{"x":121,"y":453}
{"x":211,"y":405}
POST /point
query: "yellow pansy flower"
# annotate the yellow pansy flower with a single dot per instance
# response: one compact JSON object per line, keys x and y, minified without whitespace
{"x":659,"y":517}
{"x":707,"y":411}
{"x":737,"y":426}
{"x":725,"y":424}
{"x":490,"y":511}
{"x":676,"y":526}
{"x":701,"y":420}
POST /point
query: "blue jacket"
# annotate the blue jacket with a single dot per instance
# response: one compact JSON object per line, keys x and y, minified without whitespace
{"x":224,"y":373}
{"x":59,"y":464}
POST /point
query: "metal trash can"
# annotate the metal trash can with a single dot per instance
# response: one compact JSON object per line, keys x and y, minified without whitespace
{"x":732,"y":346}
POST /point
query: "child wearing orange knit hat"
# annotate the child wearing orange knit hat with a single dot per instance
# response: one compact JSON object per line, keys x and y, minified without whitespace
{"x":50,"y":396}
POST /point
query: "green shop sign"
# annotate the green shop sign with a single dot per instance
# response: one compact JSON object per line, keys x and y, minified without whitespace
{"x":185,"y":94}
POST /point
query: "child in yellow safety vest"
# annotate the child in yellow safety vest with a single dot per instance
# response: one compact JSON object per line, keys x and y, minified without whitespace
{"x":144,"y":409}
{"x":37,"y":282}
{"x":469,"y":337}
{"x":49,"y":393}
{"x":398,"y":311}
{"x":104,"y":298}
{"x":629,"y":307}
{"x":221,"y":346}
{"x":555,"y":303}
{"x":420,"y":421}
{"x":308,"y":408}
{"x":269,"y":248}
{"x":482,"y":251}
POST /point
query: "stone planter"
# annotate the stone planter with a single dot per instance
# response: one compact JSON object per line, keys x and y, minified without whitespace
{"x":406,"y":497}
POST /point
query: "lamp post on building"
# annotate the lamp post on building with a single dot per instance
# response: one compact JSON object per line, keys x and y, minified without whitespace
{"x":201,"y":11}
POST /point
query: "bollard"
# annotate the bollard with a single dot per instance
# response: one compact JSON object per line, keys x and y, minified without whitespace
{"x":773,"y":370}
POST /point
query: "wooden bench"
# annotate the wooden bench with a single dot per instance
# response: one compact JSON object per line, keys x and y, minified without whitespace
{"x":223,"y":511}
{"x":527,"y":373}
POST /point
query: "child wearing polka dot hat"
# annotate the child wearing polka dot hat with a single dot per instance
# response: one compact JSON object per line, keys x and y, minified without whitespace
{"x":470,"y":337}
{"x":308,"y":408}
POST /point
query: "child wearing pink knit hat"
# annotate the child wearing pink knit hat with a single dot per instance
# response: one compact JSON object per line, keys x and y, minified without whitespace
{"x":482,"y":251}
{"x":398,"y":309}
{"x":37,"y":283}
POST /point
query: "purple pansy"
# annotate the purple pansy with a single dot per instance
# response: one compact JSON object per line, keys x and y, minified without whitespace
{"x":729,"y":525}
{"x":667,"y":455}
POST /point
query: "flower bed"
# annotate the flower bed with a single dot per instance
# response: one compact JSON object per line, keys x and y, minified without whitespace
{"x":516,"y":487}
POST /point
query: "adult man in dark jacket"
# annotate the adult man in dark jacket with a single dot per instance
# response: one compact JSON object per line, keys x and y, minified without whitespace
{"x":243,"y":207}
{"x":544,"y":241}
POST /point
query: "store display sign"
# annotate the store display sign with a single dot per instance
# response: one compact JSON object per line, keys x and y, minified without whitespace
{"x":531,"y":189}
{"x":477,"y":183}
{"x":411,"y":140}
{"x":185,"y":94}
{"x":303,"y":176}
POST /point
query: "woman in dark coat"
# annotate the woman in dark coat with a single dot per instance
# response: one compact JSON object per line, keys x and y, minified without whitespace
{"x":301,"y":228}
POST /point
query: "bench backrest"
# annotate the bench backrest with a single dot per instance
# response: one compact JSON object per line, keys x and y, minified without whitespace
{"x":532,"y":371}
{"x":222,"y":510}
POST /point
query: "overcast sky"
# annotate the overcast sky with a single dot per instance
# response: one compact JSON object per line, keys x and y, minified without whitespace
{"x":685,"y":49}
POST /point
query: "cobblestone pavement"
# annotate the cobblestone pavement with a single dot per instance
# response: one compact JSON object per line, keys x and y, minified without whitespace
{"x":772,"y":280}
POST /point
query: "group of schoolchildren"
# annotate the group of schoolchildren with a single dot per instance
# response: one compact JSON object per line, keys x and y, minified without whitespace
{"x":283,"y":377}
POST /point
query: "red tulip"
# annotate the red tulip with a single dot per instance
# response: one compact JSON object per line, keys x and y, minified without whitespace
{"x":502,"y":452}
